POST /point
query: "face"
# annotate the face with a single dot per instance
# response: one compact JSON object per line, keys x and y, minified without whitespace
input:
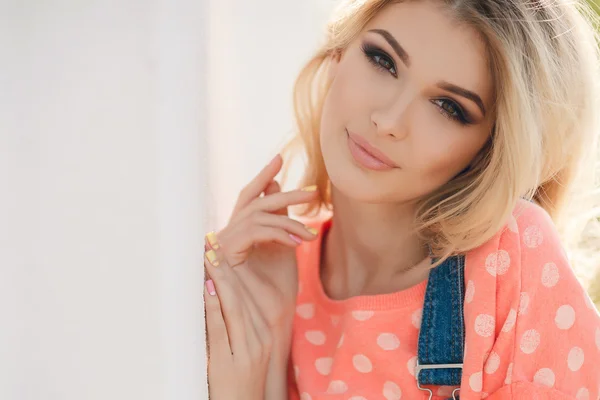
{"x":408,"y":107}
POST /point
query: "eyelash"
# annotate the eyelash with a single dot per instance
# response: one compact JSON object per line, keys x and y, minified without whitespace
{"x":375,"y":55}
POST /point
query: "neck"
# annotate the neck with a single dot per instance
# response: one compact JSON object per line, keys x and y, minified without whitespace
{"x":369,"y":244}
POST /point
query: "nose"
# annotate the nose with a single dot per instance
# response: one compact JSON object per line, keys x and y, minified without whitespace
{"x":392,"y":119}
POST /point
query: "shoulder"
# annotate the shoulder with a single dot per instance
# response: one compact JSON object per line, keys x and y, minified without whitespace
{"x":527,"y":311}
{"x":528,"y":246}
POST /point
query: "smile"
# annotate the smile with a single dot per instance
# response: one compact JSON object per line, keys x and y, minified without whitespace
{"x":364,"y":155}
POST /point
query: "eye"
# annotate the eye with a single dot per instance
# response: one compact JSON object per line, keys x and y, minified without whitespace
{"x":380,"y":59}
{"x":450,"y":109}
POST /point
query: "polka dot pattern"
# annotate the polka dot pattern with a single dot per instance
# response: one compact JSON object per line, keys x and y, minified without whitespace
{"x":341,"y":341}
{"x":411,"y":365}
{"x":315,"y":337}
{"x":565,"y":317}
{"x":416,"y":318}
{"x":323,"y":365}
{"x":362,"y":363}
{"x":530,"y":341}
{"x":533,"y":237}
{"x":391,"y":391}
{"x":550,"y":275}
{"x":510,"y":321}
{"x":388,"y":341}
{"x":497,"y":263}
{"x":337,"y":387}
{"x":582,"y":394}
{"x":544,"y":376}
{"x":575,"y":359}
{"x":475,"y":382}
{"x":445,"y":391}
{"x":484,"y":325}
{"x":527,"y":319}
{"x":492,"y":363}
{"x":306,"y":311}
{"x":362,"y":315}
{"x":508,"y":379}
{"x":470,"y":292}
{"x":523,"y":303}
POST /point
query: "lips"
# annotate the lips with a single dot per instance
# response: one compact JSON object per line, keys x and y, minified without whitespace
{"x":367,"y":155}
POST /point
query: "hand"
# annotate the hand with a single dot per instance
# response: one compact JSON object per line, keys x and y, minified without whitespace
{"x":258,"y":243}
{"x":239,"y":340}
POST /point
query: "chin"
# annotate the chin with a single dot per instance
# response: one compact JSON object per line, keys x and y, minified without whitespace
{"x":354,"y":183}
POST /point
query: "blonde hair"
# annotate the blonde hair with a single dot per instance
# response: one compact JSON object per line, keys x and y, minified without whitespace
{"x":544,"y":61}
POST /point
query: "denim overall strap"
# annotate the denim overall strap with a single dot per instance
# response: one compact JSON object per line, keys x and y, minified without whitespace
{"x":442,"y":334}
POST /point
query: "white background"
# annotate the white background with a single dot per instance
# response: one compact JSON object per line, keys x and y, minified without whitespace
{"x":127,"y":129}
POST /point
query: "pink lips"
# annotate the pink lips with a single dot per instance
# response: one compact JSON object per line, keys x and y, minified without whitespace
{"x":367,"y":155}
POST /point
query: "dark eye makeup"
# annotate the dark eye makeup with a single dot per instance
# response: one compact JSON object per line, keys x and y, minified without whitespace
{"x":383,"y":62}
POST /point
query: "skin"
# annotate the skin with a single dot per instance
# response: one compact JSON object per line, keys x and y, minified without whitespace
{"x":399,"y":109}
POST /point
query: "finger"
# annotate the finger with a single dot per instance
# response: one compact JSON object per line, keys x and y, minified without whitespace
{"x":240,"y":238}
{"x":250,"y":320}
{"x":218,"y":340}
{"x":211,"y":241}
{"x":258,"y":184}
{"x":243,"y":237}
{"x":290,"y":225}
{"x":280,"y":200}
{"x":273,"y":188}
{"x":231,"y":307}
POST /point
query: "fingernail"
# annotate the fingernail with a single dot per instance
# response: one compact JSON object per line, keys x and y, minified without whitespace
{"x":274,"y":158}
{"x":212,"y":239}
{"x":312,"y":230}
{"x":210,"y":286}
{"x":311,"y":188}
{"x":296,"y":239}
{"x":212,"y":258}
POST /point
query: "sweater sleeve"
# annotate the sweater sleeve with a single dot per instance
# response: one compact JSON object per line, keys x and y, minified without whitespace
{"x":556,"y":343}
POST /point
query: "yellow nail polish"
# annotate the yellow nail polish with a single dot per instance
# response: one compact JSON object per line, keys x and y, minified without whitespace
{"x":212,"y":258}
{"x":212,"y":239}
{"x":311,"y":188}
{"x":312,"y":230}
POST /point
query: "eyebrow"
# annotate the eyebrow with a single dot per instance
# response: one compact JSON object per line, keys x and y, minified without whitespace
{"x":474,"y":97}
{"x":403,"y":55}
{"x":395,"y":45}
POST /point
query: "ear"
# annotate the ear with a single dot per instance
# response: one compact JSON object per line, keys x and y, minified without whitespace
{"x":335,"y":58}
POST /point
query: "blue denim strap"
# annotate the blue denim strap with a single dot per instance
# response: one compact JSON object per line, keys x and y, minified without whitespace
{"x":442,"y":334}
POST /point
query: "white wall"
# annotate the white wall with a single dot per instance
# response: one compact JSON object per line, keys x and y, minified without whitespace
{"x":256,"y":50}
{"x":111,"y":171}
{"x":103,"y":106}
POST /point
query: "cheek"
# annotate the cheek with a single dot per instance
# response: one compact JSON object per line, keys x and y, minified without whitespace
{"x":351,"y":91}
{"x":442,"y":155}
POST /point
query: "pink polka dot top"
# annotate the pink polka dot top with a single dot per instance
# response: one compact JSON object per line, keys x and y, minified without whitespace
{"x":531,"y":330}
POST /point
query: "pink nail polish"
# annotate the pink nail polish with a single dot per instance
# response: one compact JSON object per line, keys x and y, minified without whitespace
{"x":296,"y":238}
{"x":210,"y":286}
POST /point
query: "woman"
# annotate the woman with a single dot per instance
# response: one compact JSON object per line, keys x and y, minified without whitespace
{"x":427,"y":125}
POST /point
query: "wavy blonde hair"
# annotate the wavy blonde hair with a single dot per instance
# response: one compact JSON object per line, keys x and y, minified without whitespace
{"x":544,"y":61}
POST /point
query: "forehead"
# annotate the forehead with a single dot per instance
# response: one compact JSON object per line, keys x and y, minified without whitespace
{"x":439,"y":47}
